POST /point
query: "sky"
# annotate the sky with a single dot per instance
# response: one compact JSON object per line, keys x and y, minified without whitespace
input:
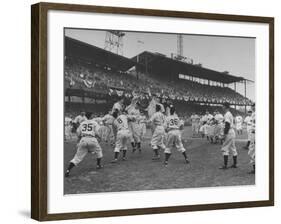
{"x":233,"y":54}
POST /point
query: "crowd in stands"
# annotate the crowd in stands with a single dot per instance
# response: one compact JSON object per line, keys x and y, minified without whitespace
{"x":81,"y":75}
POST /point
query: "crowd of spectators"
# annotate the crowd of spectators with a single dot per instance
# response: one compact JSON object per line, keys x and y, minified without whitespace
{"x":95,"y":77}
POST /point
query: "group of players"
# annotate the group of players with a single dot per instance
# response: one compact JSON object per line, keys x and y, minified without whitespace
{"x":123,"y":125}
{"x":211,"y":126}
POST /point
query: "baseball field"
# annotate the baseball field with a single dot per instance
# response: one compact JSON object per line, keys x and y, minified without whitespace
{"x":139,"y":172}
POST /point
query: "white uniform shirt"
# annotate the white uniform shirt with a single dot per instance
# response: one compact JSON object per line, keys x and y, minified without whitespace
{"x":67,"y":121}
{"x":79,"y":119}
{"x":248,"y":120}
{"x":117,"y":106}
{"x":229,"y":118}
{"x":238,"y":119}
{"x":219,"y":118}
{"x":134,"y":112}
{"x":88,"y":128}
{"x":121,"y":122}
{"x":194,"y":118}
{"x":173,"y":122}
{"x":209,"y":117}
{"x":108,"y":119}
{"x":158,"y":119}
{"x":253,"y":126}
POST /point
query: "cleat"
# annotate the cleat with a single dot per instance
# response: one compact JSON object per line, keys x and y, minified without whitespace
{"x":67,"y":173}
{"x":156,"y":158}
{"x":234,"y":166}
{"x":99,"y":166}
{"x":114,"y":161}
{"x":187,"y":161}
{"x":223,"y":168}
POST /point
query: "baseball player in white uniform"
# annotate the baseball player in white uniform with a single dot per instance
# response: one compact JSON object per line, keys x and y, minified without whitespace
{"x":119,"y":105}
{"x":67,"y":127}
{"x":194,"y":124}
{"x":78,"y":120}
{"x":107,"y":133}
{"x":239,"y":122}
{"x":134,"y":126}
{"x":219,"y":126}
{"x":157,"y":140}
{"x":123,"y":134}
{"x":248,"y":121}
{"x":229,"y":138}
{"x":174,"y":125}
{"x":88,"y":143}
{"x":252,"y":146}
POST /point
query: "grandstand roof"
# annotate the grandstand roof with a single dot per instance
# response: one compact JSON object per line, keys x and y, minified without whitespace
{"x":76,"y":48}
{"x":159,"y":63}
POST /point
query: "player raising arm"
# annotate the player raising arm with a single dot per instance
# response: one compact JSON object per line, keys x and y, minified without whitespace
{"x":157,"y":140}
{"x":174,"y":125}
{"x":88,"y":143}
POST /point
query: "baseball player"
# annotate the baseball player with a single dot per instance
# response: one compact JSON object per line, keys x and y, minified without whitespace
{"x":107,"y":133}
{"x":88,"y":143}
{"x":78,"y":120}
{"x":134,"y":126}
{"x":119,"y":105}
{"x":123,"y":134}
{"x":252,"y":146}
{"x":229,"y":138}
{"x":67,"y":127}
{"x":239,"y":121}
{"x":194,"y":124}
{"x":157,"y":140}
{"x":248,"y":121}
{"x":219,"y":126}
{"x":174,"y":125}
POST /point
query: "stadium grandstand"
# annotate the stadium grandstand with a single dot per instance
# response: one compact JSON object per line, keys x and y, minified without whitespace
{"x":95,"y":78}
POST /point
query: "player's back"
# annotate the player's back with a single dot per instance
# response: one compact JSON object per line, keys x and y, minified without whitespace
{"x":108,"y":119}
{"x":121,"y":122}
{"x":67,"y":121}
{"x":88,"y":128}
{"x":239,"y":119}
{"x":173,"y":122}
{"x":229,"y":118}
{"x":79,"y":119}
{"x":158,"y":119}
{"x":193,"y":118}
{"x":219,"y":118}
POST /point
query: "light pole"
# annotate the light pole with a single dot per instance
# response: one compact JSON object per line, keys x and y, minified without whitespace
{"x":138,"y":44}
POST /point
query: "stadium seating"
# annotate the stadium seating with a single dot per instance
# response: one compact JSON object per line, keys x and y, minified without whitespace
{"x":91,"y":77}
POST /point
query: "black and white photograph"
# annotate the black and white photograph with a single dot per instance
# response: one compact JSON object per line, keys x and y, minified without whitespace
{"x":157,"y":111}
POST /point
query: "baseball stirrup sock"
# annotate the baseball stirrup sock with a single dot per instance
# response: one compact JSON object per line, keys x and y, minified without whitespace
{"x":225,"y":160}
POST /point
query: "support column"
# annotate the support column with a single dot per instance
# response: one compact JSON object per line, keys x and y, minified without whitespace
{"x":245,"y":93}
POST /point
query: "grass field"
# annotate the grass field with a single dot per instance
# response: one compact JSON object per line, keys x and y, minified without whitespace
{"x":139,"y":172}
